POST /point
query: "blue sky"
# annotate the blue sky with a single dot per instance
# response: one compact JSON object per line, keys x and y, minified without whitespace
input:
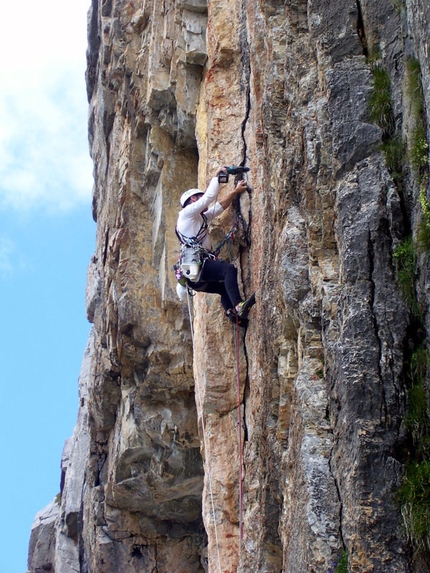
{"x":47,"y":237}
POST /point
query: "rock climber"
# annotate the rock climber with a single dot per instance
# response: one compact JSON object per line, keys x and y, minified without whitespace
{"x":216,"y":276}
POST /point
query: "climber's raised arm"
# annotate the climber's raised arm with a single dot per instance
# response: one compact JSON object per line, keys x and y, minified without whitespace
{"x":228,"y":199}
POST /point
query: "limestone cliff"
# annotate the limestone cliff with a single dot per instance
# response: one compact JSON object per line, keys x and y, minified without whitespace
{"x":282,"y":449}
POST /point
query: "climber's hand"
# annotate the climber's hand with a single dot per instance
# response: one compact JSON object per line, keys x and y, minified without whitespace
{"x":241,"y":186}
{"x":221,"y":169}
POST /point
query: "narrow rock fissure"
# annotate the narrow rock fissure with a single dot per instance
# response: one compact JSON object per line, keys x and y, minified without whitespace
{"x":105,"y":251}
{"x":339,"y":497}
{"x":81,"y":547}
{"x":361,"y":30}
{"x":245,"y":393}
{"x":371,"y":255}
{"x":246,"y":76}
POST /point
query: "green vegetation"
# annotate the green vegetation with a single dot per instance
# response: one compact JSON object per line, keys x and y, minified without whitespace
{"x":398,"y":5}
{"x":406,"y":262}
{"x":423,"y":235}
{"x":380,"y":103}
{"x":414,"y":88}
{"x":381,"y":113}
{"x":414,"y":494}
{"x":393,"y":147}
{"x":417,"y":420}
{"x":424,"y":202}
{"x":394,"y":151}
{"x":342,"y":566}
{"x":418,"y":147}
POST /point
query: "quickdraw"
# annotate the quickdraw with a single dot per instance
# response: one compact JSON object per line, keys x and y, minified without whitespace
{"x":231,"y":235}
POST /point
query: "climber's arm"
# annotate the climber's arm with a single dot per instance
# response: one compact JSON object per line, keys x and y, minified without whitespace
{"x":228,"y":199}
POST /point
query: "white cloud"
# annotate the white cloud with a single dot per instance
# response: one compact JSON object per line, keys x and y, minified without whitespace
{"x":44,"y":157}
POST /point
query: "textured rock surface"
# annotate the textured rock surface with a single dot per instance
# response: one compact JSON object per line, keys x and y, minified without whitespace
{"x":42,"y":540}
{"x":151,"y":475}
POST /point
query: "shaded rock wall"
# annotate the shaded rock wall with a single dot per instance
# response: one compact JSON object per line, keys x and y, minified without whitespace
{"x":151,"y":475}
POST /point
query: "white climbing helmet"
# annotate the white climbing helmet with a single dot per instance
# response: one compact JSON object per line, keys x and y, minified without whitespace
{"x":185,"y":196}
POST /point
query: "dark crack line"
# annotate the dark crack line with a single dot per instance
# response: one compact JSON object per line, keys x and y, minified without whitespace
{"x":371,"y":255}
{"x":339,"y":496}
{"x":246,"y":390}
{"x":246,"y":75}
{"x":245,"y":79}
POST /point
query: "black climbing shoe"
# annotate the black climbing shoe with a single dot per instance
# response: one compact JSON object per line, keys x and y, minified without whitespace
{"x":245,"y":306}
{"x":233,"y":316}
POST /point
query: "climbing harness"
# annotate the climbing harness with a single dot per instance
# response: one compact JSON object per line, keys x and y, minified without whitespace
{"x":192,"y":255}
{"x":190,"y":241}
{"x":191,"y":262}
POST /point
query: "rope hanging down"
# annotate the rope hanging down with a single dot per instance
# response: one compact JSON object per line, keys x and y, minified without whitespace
{"x":239,"y":432}
{"x":206,"y":445}
{"x":230,"y":237}
{"x":240,"y":221}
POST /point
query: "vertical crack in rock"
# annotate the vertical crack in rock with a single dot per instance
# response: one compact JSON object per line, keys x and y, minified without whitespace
{"x":361,"y":30}
{"x":105,"y":247}
{"x":245,"y":391}
{"x":334,"y":477}
{"x":246,"y":76}
{"x":374,"y":318}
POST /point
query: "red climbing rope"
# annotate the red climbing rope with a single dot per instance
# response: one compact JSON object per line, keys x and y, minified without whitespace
{"x":239,"y":430}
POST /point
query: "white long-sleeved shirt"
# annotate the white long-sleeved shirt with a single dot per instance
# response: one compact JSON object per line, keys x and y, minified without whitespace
{"x":190,"y":219}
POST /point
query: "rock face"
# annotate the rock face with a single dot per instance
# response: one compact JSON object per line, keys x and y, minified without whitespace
{"x":278,"y":448}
